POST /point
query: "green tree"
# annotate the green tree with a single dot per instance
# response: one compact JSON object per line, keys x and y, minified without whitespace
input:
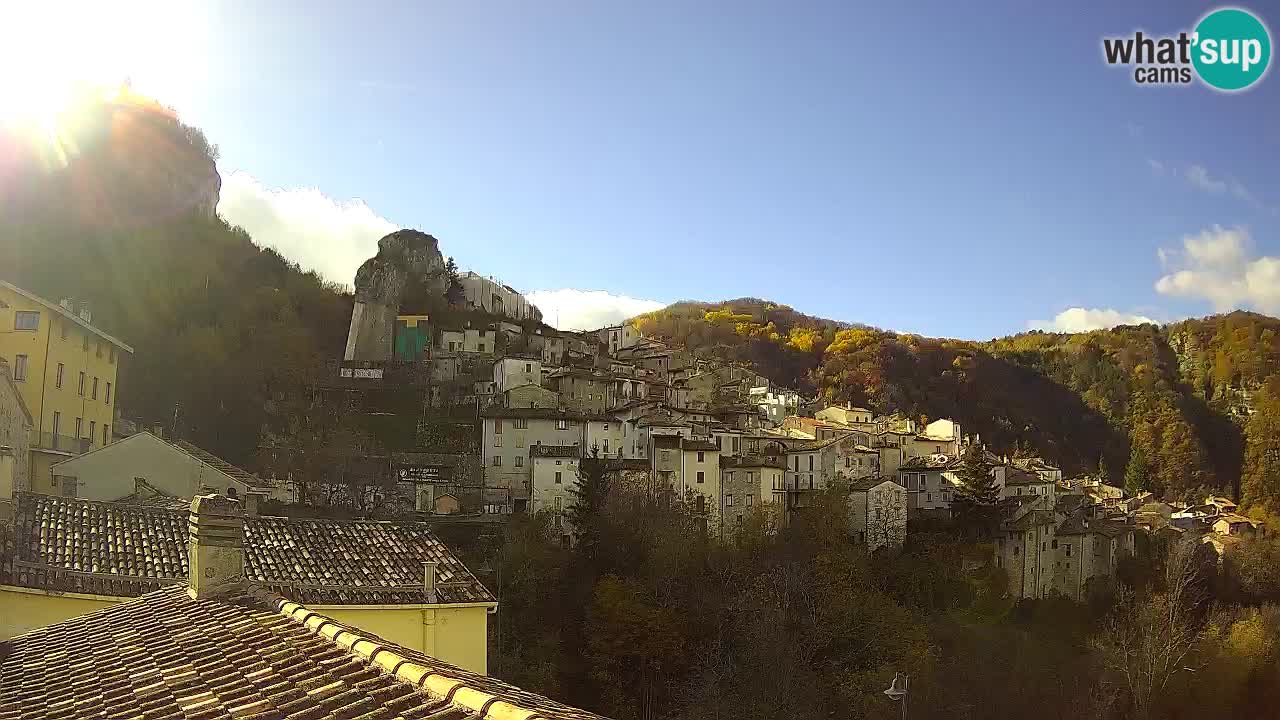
{"x":588,"y":498}
{"x":976,"y":498}
{"x":1260,"y":479}
{"x":453,"y":291}
{"x":1137,"y":472}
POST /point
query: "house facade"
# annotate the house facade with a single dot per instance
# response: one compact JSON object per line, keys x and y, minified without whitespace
{"x":174,"y":467}
{"x":15,"y":434}
{"x":878,"y":513}
{"x":67,"y":373}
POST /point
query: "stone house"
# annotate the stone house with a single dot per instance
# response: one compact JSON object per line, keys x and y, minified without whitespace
{"x":878,"y":512}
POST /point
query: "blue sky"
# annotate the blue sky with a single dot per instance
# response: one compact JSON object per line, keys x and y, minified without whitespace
{"x":954,"y":169}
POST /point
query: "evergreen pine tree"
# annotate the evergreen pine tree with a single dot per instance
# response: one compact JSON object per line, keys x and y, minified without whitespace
{"x":977,"y":496}
{"x":1137,"y":472}
{"x":588,"y":498}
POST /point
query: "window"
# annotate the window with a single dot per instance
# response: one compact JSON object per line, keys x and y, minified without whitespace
{"x":797,"y":463}
{"x":877,"y":513}
{"x":95,"y":389}
{"x":562,"y":424}
{"x":700,"y":477}
{"x":728,"y":500}
{"x":559,"y":503}
{"x":497,"y":461}
{"x":1044,"y":546}
{"x":481,"y":347}
{"x":528,"y":367}
{"x":519,"y":461}
{"x":735,"y":444}
{"x":497,"y":441}
{"x":26,"y":320}
{"x":58,"y":382}
{"x":810,"y":463}
{"x":57,"y":420}
{"x":1016,"y":549}
{"x":108,"y":399}
{"x":1068,"y":547}
{"x":928,"y":497}
{"x":106,"y":436}
{"x":79,"y":428}
{"x":20,"y":368}
{"x":700,"y":458}
{"x":520,"y":423}
{"x":1054,"y":544}
{"x":749,"y":500}
{"x":453,"y":346}
{"x":93,"y":430}
{"x":558,"y":477}
{"x":81,"y":387}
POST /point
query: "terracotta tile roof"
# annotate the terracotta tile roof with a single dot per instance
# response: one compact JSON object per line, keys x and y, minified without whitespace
{"x":221,"y":465}
{"x":247,"y":654}
{"x":1014,"y":476}
{"x":101,"y":548}
{"x":147,"y":494}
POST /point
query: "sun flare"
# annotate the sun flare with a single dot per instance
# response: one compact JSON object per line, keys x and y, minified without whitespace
{"x":55,"y":53}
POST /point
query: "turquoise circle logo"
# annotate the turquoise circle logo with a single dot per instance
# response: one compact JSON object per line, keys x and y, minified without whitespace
{"x":1232,"y":49}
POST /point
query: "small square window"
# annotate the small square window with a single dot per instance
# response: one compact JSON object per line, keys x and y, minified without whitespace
{"x":26,"y":320}
{"x":558,"y":477}
{"x":497,"y":461}
{"x":700,"y":476}
{"x":519,"y":461}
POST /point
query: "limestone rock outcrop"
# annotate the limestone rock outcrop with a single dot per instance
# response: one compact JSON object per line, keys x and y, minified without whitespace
{"x":404,"y":257}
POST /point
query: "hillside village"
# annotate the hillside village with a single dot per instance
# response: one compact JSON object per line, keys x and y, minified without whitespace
{"x":484,"y":415}
{"x":525,"y":405}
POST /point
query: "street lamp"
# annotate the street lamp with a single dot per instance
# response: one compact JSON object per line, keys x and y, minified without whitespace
{"x":898,"y":691}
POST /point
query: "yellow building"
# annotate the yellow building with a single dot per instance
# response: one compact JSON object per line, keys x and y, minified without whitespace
{"x":67,"y":373}
{"x":395,"y":579}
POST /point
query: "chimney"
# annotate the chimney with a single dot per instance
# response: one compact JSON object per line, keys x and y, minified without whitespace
{"x":215,"y":551}
{"x":429,"y":580}
{"x":253,"y":500}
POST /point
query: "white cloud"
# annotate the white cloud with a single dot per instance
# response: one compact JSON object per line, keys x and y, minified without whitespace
{"x":569,"y":309}
{"x":1198,"y":176}
{"x":332,"y":237}
{"x":1078,"y":319}
{"x":1216,"y":265}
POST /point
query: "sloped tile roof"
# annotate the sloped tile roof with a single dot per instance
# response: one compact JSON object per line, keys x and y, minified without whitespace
{"x":218,"y":463}
{"x":102,"y":548}
{"x":248,"y":654}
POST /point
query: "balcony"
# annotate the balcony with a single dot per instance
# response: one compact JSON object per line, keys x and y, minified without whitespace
{"x":61,"y":443}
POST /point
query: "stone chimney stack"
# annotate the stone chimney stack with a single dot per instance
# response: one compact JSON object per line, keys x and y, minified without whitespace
{"x":215,"y":551}
{"x":429,"y":580}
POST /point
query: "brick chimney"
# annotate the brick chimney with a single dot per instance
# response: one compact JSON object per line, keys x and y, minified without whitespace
{"x":215,"y":551}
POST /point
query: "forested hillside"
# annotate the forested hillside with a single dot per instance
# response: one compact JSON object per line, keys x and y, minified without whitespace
{"x":121,"y":219}
{"x":1162,"y":408}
